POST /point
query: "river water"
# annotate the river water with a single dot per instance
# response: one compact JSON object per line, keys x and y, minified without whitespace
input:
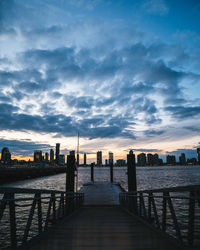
{"x":147,"y":177}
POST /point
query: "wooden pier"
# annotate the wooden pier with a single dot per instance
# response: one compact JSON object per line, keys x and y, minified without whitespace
{"x":103,"y":224}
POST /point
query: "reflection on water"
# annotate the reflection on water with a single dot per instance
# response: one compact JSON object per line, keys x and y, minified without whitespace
{"x":147,"y":177}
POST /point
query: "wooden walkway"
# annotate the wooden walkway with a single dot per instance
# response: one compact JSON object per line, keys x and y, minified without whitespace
{"x":102,"y":227}
{"x":101,"y":193}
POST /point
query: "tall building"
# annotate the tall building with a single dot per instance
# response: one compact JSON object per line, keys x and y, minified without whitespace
{"x":72,"y":152}
{"x":182,"y":159}
{"x":37,"y":156}
{"x":150,"y":159}
{"x":61,"y":159}
{"x":110,"y":154}
{"x":51,"y":156}
{"x":155,"y":160}
{"x":85,"y":159}
{"x":198,"y":154}
{"x":99,"y":158}
{"x":57,"y":152}
{"x":171,"y":159}
{"x":46,"y":157}
{"x":141,"y":159}
{"x":5,"y":156}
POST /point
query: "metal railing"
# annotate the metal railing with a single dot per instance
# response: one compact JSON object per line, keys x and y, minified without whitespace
{"x":26,"y":213}
{"x":175,"y":211}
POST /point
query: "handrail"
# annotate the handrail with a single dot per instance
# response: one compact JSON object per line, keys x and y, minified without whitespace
{"x":28,"y":190}
{"x":49,"y":205}
{"x":171,"y":189}
{"x":174,"y":211}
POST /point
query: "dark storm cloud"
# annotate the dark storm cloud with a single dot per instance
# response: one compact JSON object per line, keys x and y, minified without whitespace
{"x":63,"y":125}
{"x":23,"y":147}
{"x":182,"y":112}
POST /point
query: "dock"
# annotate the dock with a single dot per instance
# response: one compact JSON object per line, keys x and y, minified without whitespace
{"x":101,"y":216}
{"x":103,"y":224}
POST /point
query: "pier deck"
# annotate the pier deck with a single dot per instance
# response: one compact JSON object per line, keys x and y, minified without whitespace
{"x":102,"y":224}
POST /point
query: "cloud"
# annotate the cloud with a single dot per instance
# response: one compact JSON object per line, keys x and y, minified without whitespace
{"x":157,"y":7}
{"x":61,"y":124}
{"x":23,"y":147}
{"x":182,"y":112}
{"x":154,"y":132}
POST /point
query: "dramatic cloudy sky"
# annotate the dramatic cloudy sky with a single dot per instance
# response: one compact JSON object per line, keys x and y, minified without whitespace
{"x":125,"y":74}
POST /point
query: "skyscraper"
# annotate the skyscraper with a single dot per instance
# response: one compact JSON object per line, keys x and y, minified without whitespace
{"x":57,"y":152}
{"x":171,"y":159}
{"x":141,"y":159}
{"x":182,"y":159}
{"x":51,"y":156}
{"x":150,"y":159}
{"x":85,"y":159}
{"x":37,"y":156}
{"x":198,"y":153}
{"x":99,"y":158}
{"x":110,"y":158}
{"x":61,"y":159}
{"x":72,"y":152}
{"x":5,"y":156}
{"x":46,"y":157}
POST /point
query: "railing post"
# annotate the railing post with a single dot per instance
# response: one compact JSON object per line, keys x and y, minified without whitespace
{"x":111,"y":172}
{"x":54,"y":207}
{"x":173,"y":214}
{"x":164,"y":212}
{"x":149,"y":207}
{"x":191,"y":219}
{"x":92,"y":172}
{"x":13,"y":228}
{"x":38,"y":196}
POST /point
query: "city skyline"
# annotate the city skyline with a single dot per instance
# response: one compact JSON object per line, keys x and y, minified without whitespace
{"x":142,"y":159}
{"x":125,"y":74}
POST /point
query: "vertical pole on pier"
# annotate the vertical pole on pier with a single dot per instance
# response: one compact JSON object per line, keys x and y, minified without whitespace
{"x":132,"y":184}
{"x":92,"y":172}
{"x":70,"y":177}
{"x":111,"y":172}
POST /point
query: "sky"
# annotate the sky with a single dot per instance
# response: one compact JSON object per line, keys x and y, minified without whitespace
{"x":125,"y":74}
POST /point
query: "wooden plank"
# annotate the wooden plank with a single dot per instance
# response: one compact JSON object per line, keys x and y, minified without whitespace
{"x":104,"y":228}
{"x":101,"y":193}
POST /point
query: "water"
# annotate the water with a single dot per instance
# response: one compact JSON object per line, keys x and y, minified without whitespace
{"x":147,"y":178}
